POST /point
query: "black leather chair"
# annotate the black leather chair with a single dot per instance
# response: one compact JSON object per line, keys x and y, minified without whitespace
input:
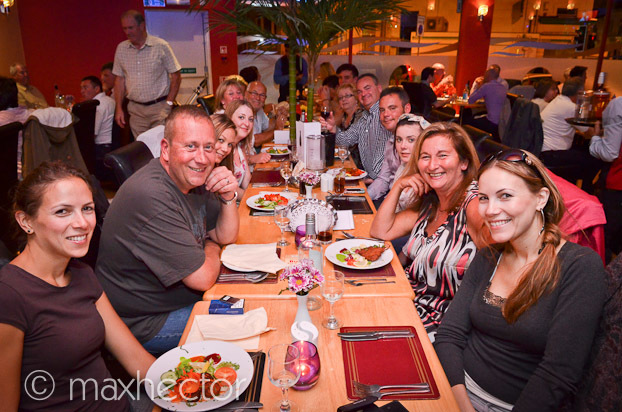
{"x":9,"y":135}
{"x":477,"y":135}
{"x":208,"y":103}
{"x":85,"y":131}
{"x":487,"y":147}
{"x":440,"y":116}
{"x":128,"y":159}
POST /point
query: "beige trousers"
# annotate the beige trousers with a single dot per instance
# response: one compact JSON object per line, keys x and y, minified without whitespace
{"x":143,"y":118}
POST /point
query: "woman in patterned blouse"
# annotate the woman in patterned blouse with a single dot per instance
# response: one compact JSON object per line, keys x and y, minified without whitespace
{"x":443,"y":223}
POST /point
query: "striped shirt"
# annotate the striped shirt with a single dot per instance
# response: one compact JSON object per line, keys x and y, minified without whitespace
{"x":145,"y":70}
{"x":371,"y":137}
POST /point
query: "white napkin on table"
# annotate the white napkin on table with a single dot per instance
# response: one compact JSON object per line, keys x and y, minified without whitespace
{"x":242,"y":330}
{"x":259,"y":257}
{"x":345,"y":220}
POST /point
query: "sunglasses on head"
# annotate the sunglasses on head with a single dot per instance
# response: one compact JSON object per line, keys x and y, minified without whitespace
{"x":409,"y":117}
{"x":512,"y":155}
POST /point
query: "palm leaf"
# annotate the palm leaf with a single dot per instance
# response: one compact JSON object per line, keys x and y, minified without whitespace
{"x":317,"y":22}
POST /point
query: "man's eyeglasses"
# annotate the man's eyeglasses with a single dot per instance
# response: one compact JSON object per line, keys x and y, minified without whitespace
{"x":345,"y":96}
{"x":256,"y":95}
{"x":512,"y":155}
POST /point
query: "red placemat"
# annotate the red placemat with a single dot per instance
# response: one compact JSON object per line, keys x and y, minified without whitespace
{"x":382,"y":272}
{"x":387,"y":361}
{"x":266,"y":176}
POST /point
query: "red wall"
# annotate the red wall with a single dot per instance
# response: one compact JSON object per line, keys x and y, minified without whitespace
{"x":473,"y":42}
{"x":65,"y":40}
{"x":223,"y":64}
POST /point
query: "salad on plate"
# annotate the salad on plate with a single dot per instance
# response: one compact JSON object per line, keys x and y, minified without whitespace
{"x":199,"y":379}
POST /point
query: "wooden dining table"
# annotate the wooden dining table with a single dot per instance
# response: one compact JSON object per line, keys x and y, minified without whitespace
{"x":378,"y":305}
{"x":262,"y":229}
{"x":330,"y":391}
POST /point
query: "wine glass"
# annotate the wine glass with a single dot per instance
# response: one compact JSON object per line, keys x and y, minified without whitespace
{"x":332,"y":290}
{"x":284,"y":372}
{"x":342,"y":153}
{"x":325,"y":112}
{"x":286,"y":174}
{"x":282,"y":221}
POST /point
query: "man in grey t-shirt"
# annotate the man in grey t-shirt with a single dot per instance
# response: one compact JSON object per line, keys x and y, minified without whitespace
{"x":161,"y":238}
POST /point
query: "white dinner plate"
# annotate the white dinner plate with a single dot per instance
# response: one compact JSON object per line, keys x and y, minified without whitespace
{"x":250,"y":202}
{"x":265,"y":150}
{"x":333,"y":249}
{"x":237,"y":268}
{"x":170,"y":360}
{"x":357,"y":177}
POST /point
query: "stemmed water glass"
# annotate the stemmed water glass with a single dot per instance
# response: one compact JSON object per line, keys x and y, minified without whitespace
{"x":332,"y":290}
{"x":282,"y":221}
{"x":284,"y":372}
{"x":286,"y":174}
{"x":342,"y":153}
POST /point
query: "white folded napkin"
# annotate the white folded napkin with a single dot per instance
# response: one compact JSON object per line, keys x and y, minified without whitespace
{"x":242,"y":330}
{"x":345,"y":220}
{"x":260,"y":257}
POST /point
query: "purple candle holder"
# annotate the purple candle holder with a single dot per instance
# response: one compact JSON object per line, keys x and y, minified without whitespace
{"x":309,"y":365}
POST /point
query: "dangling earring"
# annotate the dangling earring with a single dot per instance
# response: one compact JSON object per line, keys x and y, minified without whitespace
{"x":543,"y":221}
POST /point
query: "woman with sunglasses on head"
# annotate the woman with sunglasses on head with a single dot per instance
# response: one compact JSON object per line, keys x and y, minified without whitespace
{"x":409,"y":127}
{"x":54,"y":316}
{"x":443,"y":222}
{"x":519,"y":331}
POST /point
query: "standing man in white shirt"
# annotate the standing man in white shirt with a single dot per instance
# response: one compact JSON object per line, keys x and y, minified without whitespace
{"x":91,"y":89}
{"x":148,"y":72}
{"x":557,"y":150}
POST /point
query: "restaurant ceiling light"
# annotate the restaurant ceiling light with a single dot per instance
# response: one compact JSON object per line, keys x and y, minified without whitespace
{"x":536,"y":6}
{"x":482,"y":11}
{"x":7,"y":3}
{"x":431,"y":5}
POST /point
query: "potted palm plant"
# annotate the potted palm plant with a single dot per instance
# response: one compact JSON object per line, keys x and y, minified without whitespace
{"x":307,"y":26}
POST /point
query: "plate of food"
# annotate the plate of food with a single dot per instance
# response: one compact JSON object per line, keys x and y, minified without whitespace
{"x":359,"y":254}
{"x":199,"y":376}
{"x":352,"y":173}
{"x":268,"y":201}
{"x":276,"y":150}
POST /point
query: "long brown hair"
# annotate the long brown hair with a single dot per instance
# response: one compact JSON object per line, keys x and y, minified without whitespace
{"x":466,"y":152}
{"x":230,"y":110}
{"x":542,"y":276}
{"x":222,"y":123}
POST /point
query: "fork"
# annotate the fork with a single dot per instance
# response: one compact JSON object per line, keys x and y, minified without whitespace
{"x":350,"y":236}
{"x":362,"y":390}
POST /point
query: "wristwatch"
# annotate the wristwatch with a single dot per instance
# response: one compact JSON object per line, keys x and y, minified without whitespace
{"x":169,"y":102}
{"x":228,"y":202}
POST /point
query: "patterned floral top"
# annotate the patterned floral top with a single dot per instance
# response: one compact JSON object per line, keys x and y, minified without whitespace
{"x":439,"y":261}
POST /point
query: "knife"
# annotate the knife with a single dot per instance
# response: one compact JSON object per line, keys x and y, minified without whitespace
{"x":241,"y":405}
{"x":376,"y":337}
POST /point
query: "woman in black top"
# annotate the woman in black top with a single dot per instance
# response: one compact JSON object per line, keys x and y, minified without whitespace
{"x":519,"y":330}
{"x":54,"y":315}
